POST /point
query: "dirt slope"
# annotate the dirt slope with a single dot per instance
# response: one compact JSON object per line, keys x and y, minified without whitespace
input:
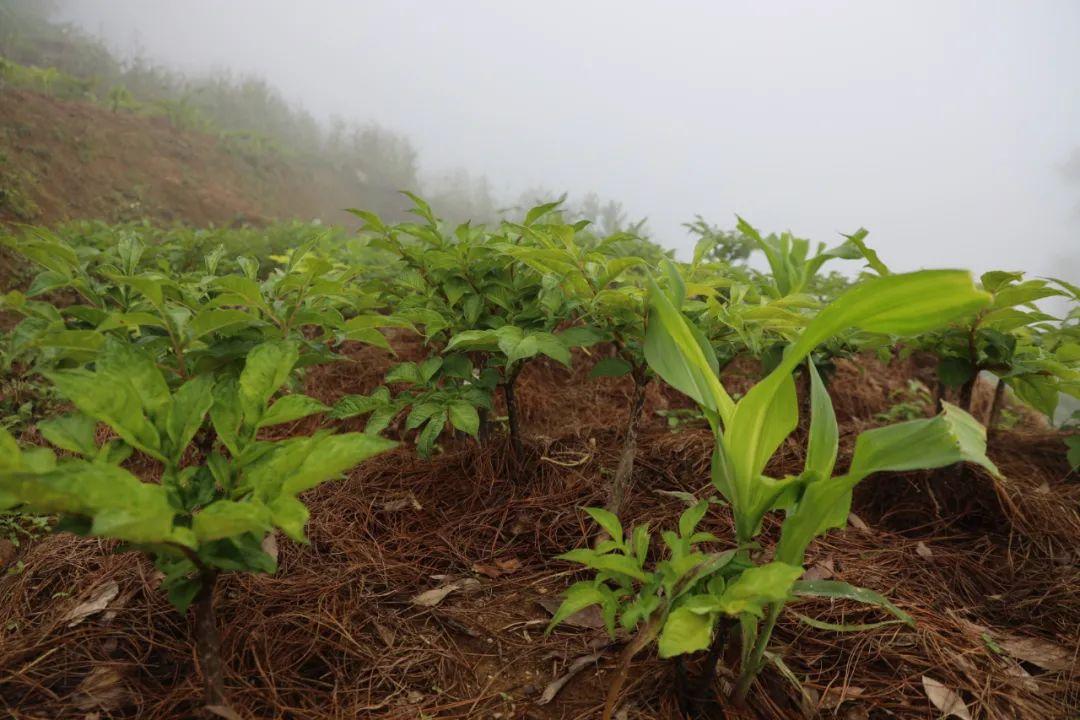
{"x":63,"y":160}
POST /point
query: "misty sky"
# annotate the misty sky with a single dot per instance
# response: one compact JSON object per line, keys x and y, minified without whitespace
{"x":943,"y":127}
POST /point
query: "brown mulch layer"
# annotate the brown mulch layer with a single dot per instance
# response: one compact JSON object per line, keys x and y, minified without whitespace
{"x":988,"y":568}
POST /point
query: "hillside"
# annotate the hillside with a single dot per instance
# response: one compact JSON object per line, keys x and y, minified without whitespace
{"x":63,"y":160}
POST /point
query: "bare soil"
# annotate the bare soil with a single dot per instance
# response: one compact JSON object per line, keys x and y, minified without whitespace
{"x":63,"y":160}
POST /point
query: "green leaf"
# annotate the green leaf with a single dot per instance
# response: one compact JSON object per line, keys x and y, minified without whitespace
{"x":824,"y":435}
{"x":267,"y":368}
{"x":212,"y":320}
{"x":580,"y":336}
{"x":425,"y":441}
{"x":289,"y":408}
{"x":677,"y":354}
{"x":119,"y":505}
{"x":608,"y":521}
{"x":226,"y":414}
{"x":951,"y":437}
{"x":539,"y":343}
{"x":757,"y":587}
{"x":845,"y":627}
{"x":685,"y":631}
{"x":110,"y":399}
{"x":690,"y":518}
{"x":620,"y":564}
{"x":291,"y":516}
{"x":954,"y":372}
{"x":73,"y":432}
{"x":838,"y":590}
{"x":187,"y":410}
{"x":541,"y":210}
{"x":464,"y":417}
{"x":330,"y":456}
{"x":610,"y":367}
{"x":578,"y":597}
{"x":125,"y":360}
{"x":225,"y":518}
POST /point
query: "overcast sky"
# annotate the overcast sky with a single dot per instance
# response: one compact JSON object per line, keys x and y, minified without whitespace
{"x":942,"y":127}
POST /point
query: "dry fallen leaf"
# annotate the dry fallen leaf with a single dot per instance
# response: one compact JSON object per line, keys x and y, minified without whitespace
{"x":499,"y":567}
{"x":557,"y":684}
{"x":387,"y":635}
{"x":101,"y":688}
{"x":269,"y":545}
{"x":98,"y":602}
{"x":1045,"y":654}
{"x":1024,"y":677}
{"x":836,"y":696}
{"x":401,"y":502}
{"x":820,"y":571}
{"x":857,"y":522}
{"x":945,"y":699}
{"x":856,"y":712}
{"x":431,"y":598}
{"x":590,"y":617}
{"x":923,"y":550}
{"x":223,"y":711}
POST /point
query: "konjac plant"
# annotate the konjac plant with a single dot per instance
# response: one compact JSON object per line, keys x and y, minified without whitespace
{"x":692,"y":598}
{"x":207,"y":515}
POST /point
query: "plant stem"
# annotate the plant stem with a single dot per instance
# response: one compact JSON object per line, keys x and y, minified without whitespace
{"x":511,"y":412}
{"x":967,"y":391}
{"x":753,"y":665}
{"x":995,"y":406}
{"x":625,"y":470}
{"x":208,"y":642}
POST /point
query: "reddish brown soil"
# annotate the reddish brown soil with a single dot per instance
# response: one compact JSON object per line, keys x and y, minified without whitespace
{"x":65,"y":160}
{"x":335,"y":635}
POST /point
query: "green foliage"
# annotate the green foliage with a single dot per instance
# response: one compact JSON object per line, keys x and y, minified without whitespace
{"x":211,"y":515}
{"x":1035,"y":354}
{"x":681,"y":598}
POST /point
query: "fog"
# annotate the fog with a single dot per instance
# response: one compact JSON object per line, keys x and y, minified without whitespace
{"x":949,"y":130}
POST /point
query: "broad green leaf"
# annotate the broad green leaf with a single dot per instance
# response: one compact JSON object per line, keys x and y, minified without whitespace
{"x":954,"y":371}
{"x":824,"y":435}
{"x":578,"y":597}
{"x":757,"y":587}
{"x":73,"y":432}
{"x":580,"y":336}
{"x":267,"y":368}
{"x":606,"y":563}
{"x":690,"y":518}
{"x":608,"y":521}
{"x":291,"y":516}
{"x":685,"y":631}
{"x":330,"y":456}
{"x":845,"y":627}
{"x":214,"y":319}
{"x":226,"y":414}
{"x":110,"y":399}
{"x":125,"y":360}
{"x":838,"y":590}
{"x":187,"y":410}
{"x":464,"y":417}
{"x":951,"y":437}
{"x":225,"y":518}
{"x":675,"y":352}
{"x":117,"y":503}
{"x":610,"y":367}
{"x":289,"y":408}
{"x":539,"y":343}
